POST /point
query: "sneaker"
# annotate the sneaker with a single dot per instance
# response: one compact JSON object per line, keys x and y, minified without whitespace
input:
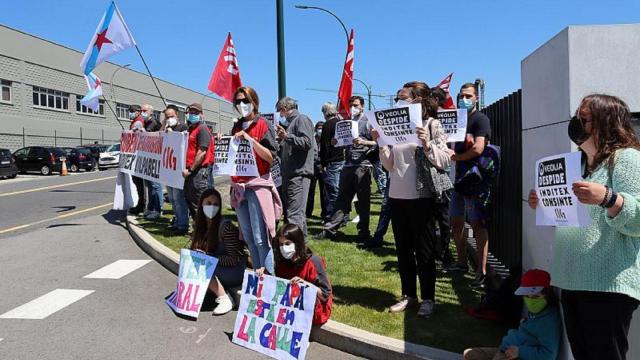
{"x":356,"y":219}
{"x":456,"y":267}
{"x":152,"y":215}
{"x":324,"y":234}
{"x":401,"y":305}
{"x":225,"y":304}
{"x":479,"y":281}
{"x":146,"y":213}
{"x":426,"y":308}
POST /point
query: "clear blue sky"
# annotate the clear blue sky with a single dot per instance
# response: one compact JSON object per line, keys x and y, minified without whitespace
{"x":395,"y":41}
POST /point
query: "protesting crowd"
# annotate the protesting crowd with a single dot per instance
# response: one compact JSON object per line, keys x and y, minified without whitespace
{"x":430,"y":189}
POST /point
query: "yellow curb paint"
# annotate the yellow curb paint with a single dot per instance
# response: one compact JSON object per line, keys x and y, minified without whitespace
{"x":56,"y":186}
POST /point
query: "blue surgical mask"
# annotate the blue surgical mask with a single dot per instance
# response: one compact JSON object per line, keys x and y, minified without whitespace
{"x":284,"y":122}
{"x":465,"y":104}
{"x":193,"y":118}
{"x":132,"y":115}
{"x":145,"y":115}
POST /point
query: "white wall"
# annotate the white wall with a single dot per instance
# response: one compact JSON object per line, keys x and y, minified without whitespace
{"x":580,"y":60}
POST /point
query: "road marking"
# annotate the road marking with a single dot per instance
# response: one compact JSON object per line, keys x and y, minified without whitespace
{"x":117,"y":269}
{"x":56,"y":186}
{"x":2,"y":231}
{"x":46,"y":304}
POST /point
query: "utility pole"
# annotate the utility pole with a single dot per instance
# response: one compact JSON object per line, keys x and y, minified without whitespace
{"x":282,"y":77}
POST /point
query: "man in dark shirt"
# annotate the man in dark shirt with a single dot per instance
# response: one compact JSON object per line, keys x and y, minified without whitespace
{"x":317,"y":176}
{"x":470,"y":207}
{"x":331,"y":159}
{"x":199,"y":157}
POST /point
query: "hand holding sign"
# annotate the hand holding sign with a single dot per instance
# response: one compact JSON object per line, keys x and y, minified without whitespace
{"x":396,"y":125}
{"x":346,"y":133}
{"x":589,"y":193}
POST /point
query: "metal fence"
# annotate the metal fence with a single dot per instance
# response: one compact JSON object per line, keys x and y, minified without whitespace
{"x":65,"y":138}
{"x":505,"y":233}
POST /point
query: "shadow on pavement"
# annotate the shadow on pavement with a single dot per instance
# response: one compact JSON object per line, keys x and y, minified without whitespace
{"x":116,"y":217}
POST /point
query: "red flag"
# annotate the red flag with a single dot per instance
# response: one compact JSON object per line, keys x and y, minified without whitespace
{"x":226,"y":76}
{"x":444,"y":85}
{"x":346,"y":84}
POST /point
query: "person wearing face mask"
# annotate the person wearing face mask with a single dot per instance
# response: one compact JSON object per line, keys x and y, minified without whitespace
{"x":298,"y":148}
{"x":296,"y":261}
{"x":317,"y":177}
{"x":137,"y":124}
{"x":539,"y":333}
{"x":199,"y":157}
{"x":473,"y":208}
{"x":154,"y":189}
{"x":256,"y":199}
{"x":180,"y":221}
{"x":218,"y":237}
{"x":379,"y":173}
{"x":597,"y":267}
{"x":331,"y":159}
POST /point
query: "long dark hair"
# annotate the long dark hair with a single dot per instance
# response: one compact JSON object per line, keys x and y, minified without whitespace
{"x":610,"y":125}
{"x":205,"y":237}
{"x":293,"y":233}
{"x":419,"y":89}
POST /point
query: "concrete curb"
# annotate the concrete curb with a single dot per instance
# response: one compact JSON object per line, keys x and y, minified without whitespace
{"x":333,"y":334}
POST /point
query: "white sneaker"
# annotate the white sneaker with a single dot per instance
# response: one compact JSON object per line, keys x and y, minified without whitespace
{"x":225,"y":304}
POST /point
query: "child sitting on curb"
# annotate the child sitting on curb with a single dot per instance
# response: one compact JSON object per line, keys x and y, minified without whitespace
{"x":538,"y":337}
{"x":295,"y":261}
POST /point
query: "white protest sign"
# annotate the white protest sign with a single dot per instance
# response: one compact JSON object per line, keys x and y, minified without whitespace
{"x":234,"y":157}
{"x":274,"y":316}
{"x":396,"y":125}
{"x":196,"y":270}
{"x":346,"y":131}
{"x":558,"y":204}
{"x":271,"y":119}
{"x":158,"y":157}
{"x":276,"y":176}
{"x":454,"y":123}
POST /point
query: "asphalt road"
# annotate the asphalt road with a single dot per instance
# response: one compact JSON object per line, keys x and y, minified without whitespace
{"x":51,"y":310}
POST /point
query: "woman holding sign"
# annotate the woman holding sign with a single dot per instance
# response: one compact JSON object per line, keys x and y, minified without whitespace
{"x":598,"y":267}
{"x":413,"y":214}
{"x":216,"y":236}
{"x":256,"y":198}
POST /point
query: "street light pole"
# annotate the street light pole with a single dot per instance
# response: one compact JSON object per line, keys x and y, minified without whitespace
{"x":304,"y":7}
{"x":282,"y":77}
{"x":113,"y":75}
{"x":368,"y":90}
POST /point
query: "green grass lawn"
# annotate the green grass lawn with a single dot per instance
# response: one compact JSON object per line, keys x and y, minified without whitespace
{"x":366,"y":283}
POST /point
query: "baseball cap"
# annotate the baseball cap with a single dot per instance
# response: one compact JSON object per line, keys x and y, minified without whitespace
{"x":533,"y":282}
{"x":195,"y":106}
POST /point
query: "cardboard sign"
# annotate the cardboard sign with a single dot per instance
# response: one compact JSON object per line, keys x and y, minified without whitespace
{"x":234,"y":157}
{"x":158,"y":157}
{"x":275,"y":172}
{"x":274,"y":316}
{"x":454,"y":123}
{"x":196,"y":271}
{"x":346,"y":132}
{"x":396,"y":125}
{"x":271,"y":119}
{"x":558,"y":205}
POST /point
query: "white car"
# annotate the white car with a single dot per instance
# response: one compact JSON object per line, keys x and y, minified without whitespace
{"x":109,"y":158}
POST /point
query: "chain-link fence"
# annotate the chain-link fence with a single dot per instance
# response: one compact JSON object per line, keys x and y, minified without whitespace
{"x":66,"y":138}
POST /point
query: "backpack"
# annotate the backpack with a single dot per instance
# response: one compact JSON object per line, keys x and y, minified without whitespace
{"x":477,"y":175}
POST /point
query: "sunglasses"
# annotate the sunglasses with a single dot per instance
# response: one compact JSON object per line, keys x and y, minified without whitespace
{"x":241,"y":101}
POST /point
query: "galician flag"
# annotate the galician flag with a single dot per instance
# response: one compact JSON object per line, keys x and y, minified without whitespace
{"x":92,"y":98}
{"x":111,"y":37}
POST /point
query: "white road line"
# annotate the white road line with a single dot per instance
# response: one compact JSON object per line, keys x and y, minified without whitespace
{"x":117,"y":269}
{"x":46,"y":304}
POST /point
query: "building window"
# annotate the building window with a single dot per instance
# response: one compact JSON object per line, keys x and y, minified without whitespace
{"x":5,"y":91}
{"x":85,"y":110}
{"x":52,"y":99}
{"x":122,"y":111}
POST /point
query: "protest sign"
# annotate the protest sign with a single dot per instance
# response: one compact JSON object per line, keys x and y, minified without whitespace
{"x":346,"y":131}
{"x":274,"y":316}
{"x":196,"y":270}
{"x":271,"y":119}
{"x":454,"y":123}
{"x":158,"y":157}
{"x":234,"y":157}
{"x":558,"y":205}
{"x":275,"y":172}
{"x":396,"y":125}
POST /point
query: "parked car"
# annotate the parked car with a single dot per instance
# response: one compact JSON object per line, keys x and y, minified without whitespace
{"x":109,"y":158}
{"x":43,"y":159}
{"x":95,"y":149}
{"x":8,"y":166}
{"x":80,"y":159}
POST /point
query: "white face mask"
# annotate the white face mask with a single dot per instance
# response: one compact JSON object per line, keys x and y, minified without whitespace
{"x":401,"y":103}
{"x":355,"y":111}
{"x":210,"y":210}
{"x":245,"y":109}
{"x":288,"y":251}
{"x":172,"y":121}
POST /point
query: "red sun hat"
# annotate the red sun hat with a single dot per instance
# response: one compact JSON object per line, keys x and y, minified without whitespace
{"x":533,"y":282}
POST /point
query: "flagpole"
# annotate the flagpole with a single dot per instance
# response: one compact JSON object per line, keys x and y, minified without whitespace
{"x":112,"y":111}
{"x":150,"y":75}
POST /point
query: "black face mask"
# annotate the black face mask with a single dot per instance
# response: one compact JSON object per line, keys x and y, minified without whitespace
{"x":576,"y":131}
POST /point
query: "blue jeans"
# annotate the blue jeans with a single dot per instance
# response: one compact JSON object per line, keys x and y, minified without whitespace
{"x":155,"y":196}
{"x":380,"y":175}
{"x":331,"y":186}
{"x":180,"y":209}
{"x":385,"y":215}
{"x":254,"y":231}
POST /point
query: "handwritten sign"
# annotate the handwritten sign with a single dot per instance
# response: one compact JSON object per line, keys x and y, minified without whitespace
{"x":558,"y":205}
{"x":396,"y":125}
{"x":234,"y":157}
{"x":196,"y":270}
{"x":346,"y":131}
{"x":454,"y":123}
{"x":276,"y":175}
{"x":158,"y":157}
{"x":274,"y":316}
